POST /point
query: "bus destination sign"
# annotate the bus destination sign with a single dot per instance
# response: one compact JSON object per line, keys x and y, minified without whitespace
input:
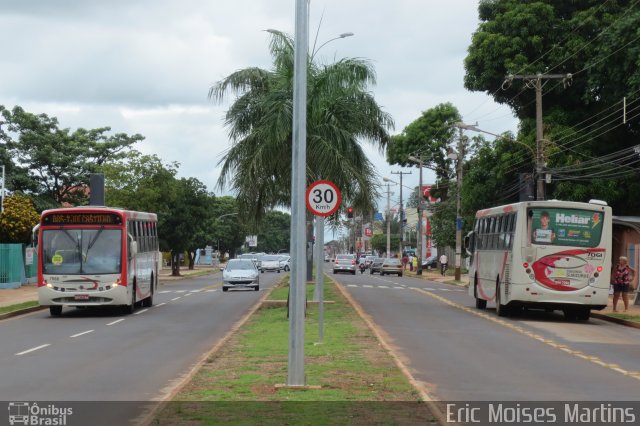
{"x":82,"y":219}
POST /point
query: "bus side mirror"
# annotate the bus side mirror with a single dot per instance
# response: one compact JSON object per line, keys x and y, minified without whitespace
{"x":469,"y":243}
{"x":133,"y":248}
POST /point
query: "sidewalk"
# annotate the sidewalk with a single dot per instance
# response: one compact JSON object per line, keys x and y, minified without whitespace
{"x":29,"y":292}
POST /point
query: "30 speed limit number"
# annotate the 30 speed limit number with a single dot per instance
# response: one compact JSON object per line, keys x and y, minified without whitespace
{"x":323,"y":198}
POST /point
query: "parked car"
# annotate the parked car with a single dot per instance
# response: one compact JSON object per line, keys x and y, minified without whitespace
{"x":391,"y":265}
{"x":270,"y":262}
{"x":240,"y":273}
{"x":345,"y":263}
{"x":376,"y":265}
{"x":430,"y":262}
{"x":285,"y":262}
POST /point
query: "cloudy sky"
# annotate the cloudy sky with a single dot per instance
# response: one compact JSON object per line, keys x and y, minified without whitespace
{"x":145,"y":66}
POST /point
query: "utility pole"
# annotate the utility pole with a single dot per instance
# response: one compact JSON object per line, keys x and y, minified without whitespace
{"x":401,"y":212}
{"x":535,"y":80}
{"x":388,"y":220}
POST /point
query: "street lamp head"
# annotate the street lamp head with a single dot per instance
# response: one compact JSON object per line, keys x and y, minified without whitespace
{"x":415,"y":159}
{"x":343,"y":35}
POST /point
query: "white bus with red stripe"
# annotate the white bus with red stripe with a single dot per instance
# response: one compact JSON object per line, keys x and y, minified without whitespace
{"x":517,"y":262}
{"x":97,"y":256}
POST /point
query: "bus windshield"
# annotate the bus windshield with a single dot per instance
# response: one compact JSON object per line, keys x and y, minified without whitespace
{"x":72,"y":251}
{"x":565,"y":227}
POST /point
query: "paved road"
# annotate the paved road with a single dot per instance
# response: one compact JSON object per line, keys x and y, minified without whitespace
{"x":459,"y":353}
{"x":102,"y":355}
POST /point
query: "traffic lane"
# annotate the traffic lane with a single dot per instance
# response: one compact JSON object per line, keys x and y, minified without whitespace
{"x":37,"y":328}
{"x":461,"y":357}
{"x":134,"y":359}
{"x":603,"y":342}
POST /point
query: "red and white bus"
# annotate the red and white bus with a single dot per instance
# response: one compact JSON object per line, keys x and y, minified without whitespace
{"x":97,"y":256}
{"x":542,"y":254}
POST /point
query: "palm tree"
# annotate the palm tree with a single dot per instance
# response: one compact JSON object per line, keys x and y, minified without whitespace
{"x":340,"y":112}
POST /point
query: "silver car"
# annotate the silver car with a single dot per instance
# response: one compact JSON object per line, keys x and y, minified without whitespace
{"x":270,"y":262}
{"x":345,"y":263}
{"x":240,"y":273}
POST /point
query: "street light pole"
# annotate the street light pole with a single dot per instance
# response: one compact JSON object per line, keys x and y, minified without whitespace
{"x":297,"y":286}
{"x":419,"y":228}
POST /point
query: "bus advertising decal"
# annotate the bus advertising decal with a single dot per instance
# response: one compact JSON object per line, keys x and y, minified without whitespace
{"x":557,"y":271}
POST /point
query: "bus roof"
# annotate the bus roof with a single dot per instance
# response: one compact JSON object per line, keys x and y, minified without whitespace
{"x":129,"y":214}
{"x":508,"y":208}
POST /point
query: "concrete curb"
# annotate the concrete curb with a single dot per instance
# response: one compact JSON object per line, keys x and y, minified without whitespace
{"x":19,"y":312}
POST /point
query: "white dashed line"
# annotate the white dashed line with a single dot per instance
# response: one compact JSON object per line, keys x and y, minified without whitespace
{"x":83,"y":333}
{"x":211,"y":291}
{"x":161,"y":304}
{"x":141,"y":312}
{"x":401,"y":288}
{"x":367,"y":286}
{"x":165,"y":291}
{"x":382,"y":286}
{"x":181,"y":291}
{"x":188,"y":294}
{"x":116,"y":321}
{"x":176,"y":298}
{"x":33,"y":349}
{"x":351,"y":285}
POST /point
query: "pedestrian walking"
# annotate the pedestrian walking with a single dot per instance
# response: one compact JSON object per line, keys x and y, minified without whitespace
{"x":405,"y":260}
{"x":622,"y":274}
{"x":444,"y":260}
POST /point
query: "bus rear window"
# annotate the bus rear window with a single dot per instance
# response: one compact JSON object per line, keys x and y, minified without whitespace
{"x":565,"y":227}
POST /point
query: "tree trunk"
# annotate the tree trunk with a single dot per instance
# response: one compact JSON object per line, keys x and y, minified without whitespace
{"x":175,"y":263}
{"x":192,"y":259}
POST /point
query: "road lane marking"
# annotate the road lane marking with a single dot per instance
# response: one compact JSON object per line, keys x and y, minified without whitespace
{"x":382,"y":286}
{"x":82,"y":333}
{"x":367,"y":286}
{"x":351,"y":285}
{"x":141,"y":312}
{"x":196,"y":291}
{"x":176,"y":298}
{"x":181,"y":291}
{"x":524,"y":332}
{"x":188,"y":294}
{"x":165,"y":291}
{"x":116,"y":321}
{"x":161,"y":304}
{"x":33,"y":349}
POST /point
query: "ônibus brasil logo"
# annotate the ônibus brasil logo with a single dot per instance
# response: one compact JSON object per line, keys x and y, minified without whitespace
{"x":31,"y":414}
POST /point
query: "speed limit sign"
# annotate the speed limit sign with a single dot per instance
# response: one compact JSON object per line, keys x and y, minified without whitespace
{"x":323,"y":198}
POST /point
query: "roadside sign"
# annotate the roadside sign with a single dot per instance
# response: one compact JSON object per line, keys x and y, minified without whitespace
{"x":323,"y":198}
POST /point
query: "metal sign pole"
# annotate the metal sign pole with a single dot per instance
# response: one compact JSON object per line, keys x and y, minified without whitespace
{"x":298,"y":211}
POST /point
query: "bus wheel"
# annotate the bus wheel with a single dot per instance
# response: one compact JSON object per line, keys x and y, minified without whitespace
{"x":501,"y":309}
{"x":148,"y":302}
{"x":584,"y":314}
{"x":480,"y":303}
{"x":55,"y":311}
{"x":570,"y":314}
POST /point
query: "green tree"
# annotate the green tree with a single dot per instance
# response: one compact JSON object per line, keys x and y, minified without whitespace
{"x":427,"y":137}
{"x":140,"y":182}
{"x":180,"y":227}
{"x":275,"y":232}
{"x":379,"y":242}
{"x":17,"y":220}
{"x":228,"y":232}
{"x":589,"y":153}
{"x":340,"y":112}
{"x":53,"y":162}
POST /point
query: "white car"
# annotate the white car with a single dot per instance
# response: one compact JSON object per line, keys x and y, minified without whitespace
{"x":285,"y":262}
{"x":240,"y":273}
{"x":270,"y":262}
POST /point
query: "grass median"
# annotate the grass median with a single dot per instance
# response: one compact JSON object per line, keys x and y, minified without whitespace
{"x":352,"y":379}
